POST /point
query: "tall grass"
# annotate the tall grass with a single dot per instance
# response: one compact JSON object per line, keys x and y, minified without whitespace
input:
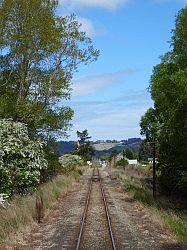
{"x":165,"y":211}
{"x":21,"y":212}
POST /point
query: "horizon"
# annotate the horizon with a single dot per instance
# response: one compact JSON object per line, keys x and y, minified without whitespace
{"x":102,"y":140}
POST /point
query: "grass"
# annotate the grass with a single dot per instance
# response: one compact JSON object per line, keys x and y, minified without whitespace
{"x":165,"y":211}
{"x":21,"y":212}
{"x":145,"y":167}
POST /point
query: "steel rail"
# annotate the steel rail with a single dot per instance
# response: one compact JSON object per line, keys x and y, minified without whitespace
{"x":85,"y":212}
{"x":86,"y":209}
{"x":107,"y":212}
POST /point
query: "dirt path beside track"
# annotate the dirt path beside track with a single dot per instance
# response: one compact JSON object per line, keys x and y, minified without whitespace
{"x":133,"y":226}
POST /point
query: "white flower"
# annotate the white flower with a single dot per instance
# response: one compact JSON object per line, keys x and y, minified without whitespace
{"x":19,"y":153}
{"x":3,"y":198}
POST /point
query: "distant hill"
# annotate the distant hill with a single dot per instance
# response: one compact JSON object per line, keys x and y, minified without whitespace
{"x":102,"y":147}
{"x":67,"y":146}
{"x":106,"y":147}
{"x":131,"y":141}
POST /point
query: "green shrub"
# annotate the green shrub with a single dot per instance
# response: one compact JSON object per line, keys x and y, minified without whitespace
{"x":21,"y":159}
{"x":70,"y":163}
{"x":53,"y":168}
{"x":21,"y":213}
{"x":164,"y":210}
{"x":183,"y":183}
{"x":169,"y":179}
{"x":122,"y":163}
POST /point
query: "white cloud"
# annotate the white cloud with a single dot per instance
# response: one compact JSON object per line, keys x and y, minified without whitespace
{"x":114,"y":119}
{"x":90,"y":84}
{"x":87,"y":26}
{"x":106,"y":4}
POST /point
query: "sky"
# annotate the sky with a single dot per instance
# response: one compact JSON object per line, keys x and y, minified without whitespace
{"x":110,"y":95}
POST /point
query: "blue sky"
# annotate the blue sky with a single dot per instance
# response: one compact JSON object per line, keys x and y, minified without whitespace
{"x":110,"y":95}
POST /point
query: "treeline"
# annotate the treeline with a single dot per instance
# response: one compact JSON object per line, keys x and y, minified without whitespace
{"x":166,"y":123}
{"x":39,"y":52}
{"x":127,"y":153}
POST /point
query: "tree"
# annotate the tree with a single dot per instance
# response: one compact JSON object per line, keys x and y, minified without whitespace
{"x":145,"y":151}
{"x":69,"y":163}
{"x":105,"y":156}
{"x":150,"y":125}
{"x":129,"y":154}
{"x":122,"y":163}
{"x":113,"y":155}
{"x":169,"y":92}
{"x":83,"y":136}
{"x":39,"y":54}
{"x":84,"y":147}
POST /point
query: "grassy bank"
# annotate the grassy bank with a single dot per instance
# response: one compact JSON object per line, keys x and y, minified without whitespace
{"x":21,"y":212}
{"x":165,"y":212}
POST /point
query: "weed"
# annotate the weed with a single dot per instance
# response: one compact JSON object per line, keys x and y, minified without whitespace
{"x":25,"y":210}
{"x":160,"y":207}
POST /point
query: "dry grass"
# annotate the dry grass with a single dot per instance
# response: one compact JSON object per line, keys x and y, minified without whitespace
{"x":21,"y":213}
{"x":162,"y":210}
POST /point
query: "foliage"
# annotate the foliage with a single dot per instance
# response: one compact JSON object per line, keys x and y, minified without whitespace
{"x":145,"y":163}
{"x":84,"y":149}
{"x":183,"y":182}
{"x":51,"y":154}
{"x":105,"y":156}
{"x":21,"y":210}
{"x":163,"y":209}
{"x":150,"y":125}
{"x":122,"y":163}
{"x":39,"y":54}
{"x":54,"y":167}
{"x":129,"y":154}
{"x":114,"y":153}
{"x":167,"y":122}
{"x":70,"y":162}
{"x":113,"y":156}
{"x":145,"y":151}
{"x":3,"y":198}
{"x":83,"y":136}
{"x":22,"y":159}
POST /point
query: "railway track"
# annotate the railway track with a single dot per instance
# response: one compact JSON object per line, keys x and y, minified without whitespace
{"x":96,"y":181}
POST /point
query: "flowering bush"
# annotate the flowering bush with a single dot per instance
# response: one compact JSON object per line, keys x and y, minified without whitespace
{"x":3,"y":198}
{"x":21,"y":159}
{"x":70,"y":162}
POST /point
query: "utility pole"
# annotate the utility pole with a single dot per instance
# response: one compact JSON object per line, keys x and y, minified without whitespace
{"x":154,"y":169}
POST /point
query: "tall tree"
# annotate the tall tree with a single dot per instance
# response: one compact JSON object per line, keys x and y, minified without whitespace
{"x":169,"y":92}
{"x":39,"y":54}
{"x":145,"y":151}
{"x":84,"y":147}
{"x":129,"y":154}
{"x":150,"y":125}
{"x":83,"y":136}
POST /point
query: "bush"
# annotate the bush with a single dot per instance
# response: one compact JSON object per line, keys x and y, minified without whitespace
{"x":53,"y":168}
{"x":70,"y":163}
{"x":21,"y":212}
{"x":183,"y":183}
{"x":122,"y":163}
{"x":21,"y":159}
{"x":169,"y":179}
{"x":144,"y":162}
